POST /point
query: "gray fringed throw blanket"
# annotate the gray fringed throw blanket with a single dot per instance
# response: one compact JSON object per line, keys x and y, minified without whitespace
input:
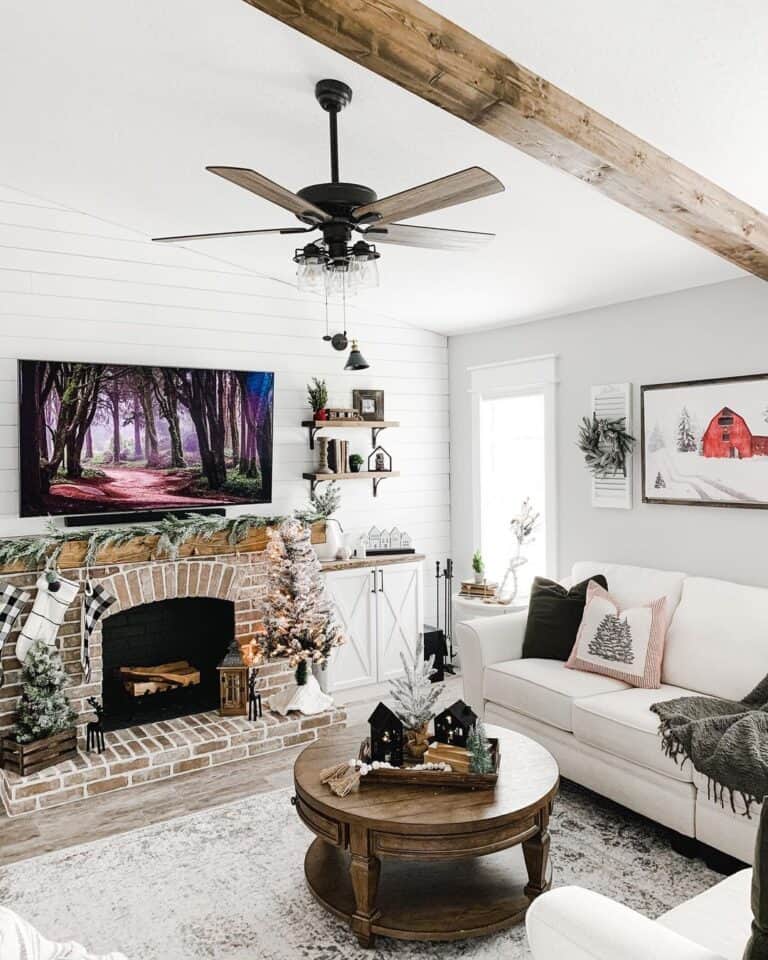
{"x":726,"y":740}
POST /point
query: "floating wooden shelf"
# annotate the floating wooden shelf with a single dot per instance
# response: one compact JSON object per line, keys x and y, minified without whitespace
{"x":375,"y":476}
{"x":375,"y":426}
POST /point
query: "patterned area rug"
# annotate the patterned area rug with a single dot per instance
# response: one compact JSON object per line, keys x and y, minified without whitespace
{"x":228,"y":884}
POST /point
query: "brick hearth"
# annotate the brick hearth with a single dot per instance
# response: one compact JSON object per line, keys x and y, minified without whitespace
{"x":167,"y":748}
{"x":156,"y":751}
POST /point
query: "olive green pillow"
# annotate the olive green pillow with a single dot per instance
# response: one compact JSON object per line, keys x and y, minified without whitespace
{"x":554,"y":617}
{"x":757,"y":947}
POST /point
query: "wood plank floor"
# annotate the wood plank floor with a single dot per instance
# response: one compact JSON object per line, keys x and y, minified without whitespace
{"x":113,"y":813}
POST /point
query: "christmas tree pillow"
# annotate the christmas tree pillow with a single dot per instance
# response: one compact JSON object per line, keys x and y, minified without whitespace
{"x":624,"y":643}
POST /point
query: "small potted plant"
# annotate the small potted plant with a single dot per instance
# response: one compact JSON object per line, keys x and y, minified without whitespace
{"x":324,"y":502}
{"x":478,"y":566}
{"x":355,"y":463}
{"x":317,"y":394}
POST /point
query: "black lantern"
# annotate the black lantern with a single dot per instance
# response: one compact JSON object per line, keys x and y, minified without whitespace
{"x":386,"y":736}
{"x":455,"y":724}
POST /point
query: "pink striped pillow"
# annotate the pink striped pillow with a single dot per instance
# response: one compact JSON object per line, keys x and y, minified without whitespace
{"x":627,"y":644}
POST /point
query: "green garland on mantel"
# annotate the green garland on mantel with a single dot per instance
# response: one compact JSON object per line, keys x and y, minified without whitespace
{"x":35,"y":552}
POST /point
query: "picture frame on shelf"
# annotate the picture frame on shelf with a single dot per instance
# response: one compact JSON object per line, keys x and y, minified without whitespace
{"x":369,"y":403}
{"x":705,"y":442}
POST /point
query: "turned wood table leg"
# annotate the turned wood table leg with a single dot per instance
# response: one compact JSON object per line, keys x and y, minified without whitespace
{"x":364,"y":871}
{"x":536,"y":854}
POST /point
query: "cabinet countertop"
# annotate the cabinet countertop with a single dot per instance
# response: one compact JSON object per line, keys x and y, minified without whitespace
{"x":382,"y":561}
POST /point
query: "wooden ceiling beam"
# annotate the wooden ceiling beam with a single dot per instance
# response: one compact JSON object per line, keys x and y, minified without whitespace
{"x":408,"y":43}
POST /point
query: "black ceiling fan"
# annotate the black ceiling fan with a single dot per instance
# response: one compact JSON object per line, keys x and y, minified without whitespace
{"x":338,"y":209}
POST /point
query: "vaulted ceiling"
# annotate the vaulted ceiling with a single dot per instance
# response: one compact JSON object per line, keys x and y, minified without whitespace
{"x":115,"y":108}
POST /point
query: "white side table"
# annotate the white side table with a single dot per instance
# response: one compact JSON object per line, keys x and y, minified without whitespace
{"x":469,"y":608}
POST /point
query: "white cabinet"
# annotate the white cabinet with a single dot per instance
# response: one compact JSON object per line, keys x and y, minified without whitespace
{"x":381,"y":611}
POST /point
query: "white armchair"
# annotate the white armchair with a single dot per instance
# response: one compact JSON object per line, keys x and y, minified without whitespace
{"x":20,"y":941}
{"x":485,"y":641}
{"x":574,"y":924}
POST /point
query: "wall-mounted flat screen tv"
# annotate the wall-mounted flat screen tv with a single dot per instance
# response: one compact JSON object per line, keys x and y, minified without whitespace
{"x":113,"y":438}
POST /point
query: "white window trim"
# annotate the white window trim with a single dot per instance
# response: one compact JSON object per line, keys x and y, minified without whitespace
{"x":534,"y":375}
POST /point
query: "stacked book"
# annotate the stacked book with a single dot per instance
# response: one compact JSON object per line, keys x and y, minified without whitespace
{"x":457,"y":757}
{"x":338,"y":455}
{"x":481,"y":590}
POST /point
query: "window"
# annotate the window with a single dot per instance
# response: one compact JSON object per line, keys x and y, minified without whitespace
{"x":514,"y":459}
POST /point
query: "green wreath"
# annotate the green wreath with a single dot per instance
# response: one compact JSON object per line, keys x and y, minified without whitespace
{"x":606,"y":444}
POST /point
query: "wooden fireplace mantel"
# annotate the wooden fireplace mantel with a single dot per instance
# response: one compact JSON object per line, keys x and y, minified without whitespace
{"x":142,"y":549}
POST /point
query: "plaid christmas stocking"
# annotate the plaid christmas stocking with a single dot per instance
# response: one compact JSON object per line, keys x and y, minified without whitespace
{"x":51,"y":603}
{"x":96,"y":601}
{"x":12,"y":602}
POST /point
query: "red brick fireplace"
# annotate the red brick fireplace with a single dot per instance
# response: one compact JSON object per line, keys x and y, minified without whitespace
{"x":156,"y":745}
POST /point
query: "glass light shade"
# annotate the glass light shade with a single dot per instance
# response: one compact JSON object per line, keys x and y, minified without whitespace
{"x":356,"y":361}
{"x":310,"y":275}
{"x":337,"y":280}
{"x":364,"y":273}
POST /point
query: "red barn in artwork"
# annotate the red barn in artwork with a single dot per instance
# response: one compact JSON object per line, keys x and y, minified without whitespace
{"x":729,"y":436}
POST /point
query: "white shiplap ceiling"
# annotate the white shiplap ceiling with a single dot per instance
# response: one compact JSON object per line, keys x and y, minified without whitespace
{"x":115,"y":108}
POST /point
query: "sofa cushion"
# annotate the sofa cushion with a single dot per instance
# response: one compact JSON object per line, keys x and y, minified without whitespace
{"x":544,"y":689}
{"x":554,"y":615}
{"x":717,"y":642}
{"x":634,"y":585}
{"x":622,"y":724}
{"x":719,"y":918}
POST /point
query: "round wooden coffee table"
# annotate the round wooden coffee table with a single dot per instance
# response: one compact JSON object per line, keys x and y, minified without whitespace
{"x":410,"y":861}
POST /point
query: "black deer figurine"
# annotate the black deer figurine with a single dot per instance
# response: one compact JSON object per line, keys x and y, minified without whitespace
{"x":254,"y":697}
{"x":94,"y":732}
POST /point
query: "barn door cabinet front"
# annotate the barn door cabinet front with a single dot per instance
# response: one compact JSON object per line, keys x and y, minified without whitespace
{"x":380,"y":609}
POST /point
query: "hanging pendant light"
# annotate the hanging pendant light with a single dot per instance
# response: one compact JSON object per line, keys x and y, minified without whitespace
{"x":356,"y":361}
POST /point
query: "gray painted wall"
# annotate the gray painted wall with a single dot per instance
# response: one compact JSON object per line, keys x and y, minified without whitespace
{"x":712,"y":331}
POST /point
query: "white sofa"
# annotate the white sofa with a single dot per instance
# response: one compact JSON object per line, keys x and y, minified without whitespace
{"x":601,"y":731}
{"x":570,"y":923}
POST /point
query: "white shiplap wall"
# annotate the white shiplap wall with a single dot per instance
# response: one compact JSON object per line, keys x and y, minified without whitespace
{"x":74,"y":287}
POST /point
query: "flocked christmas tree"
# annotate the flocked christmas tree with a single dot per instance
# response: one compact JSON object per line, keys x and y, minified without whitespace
{"x":686,"y":434}
{"x":612,"y":640}
{"x":414,"y":693}
{"x":44,"y":708}
{"x":415,"y":696}
{"x":480,"y":759}
{"x":298,"y":620}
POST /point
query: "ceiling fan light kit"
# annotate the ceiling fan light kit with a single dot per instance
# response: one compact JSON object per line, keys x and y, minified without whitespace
{"x":335,"y":265}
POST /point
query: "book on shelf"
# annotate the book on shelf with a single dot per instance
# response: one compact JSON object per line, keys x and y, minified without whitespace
{"x":338,"y":455}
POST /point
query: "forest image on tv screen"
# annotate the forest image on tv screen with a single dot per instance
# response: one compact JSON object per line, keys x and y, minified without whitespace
{"x":106,"y":438}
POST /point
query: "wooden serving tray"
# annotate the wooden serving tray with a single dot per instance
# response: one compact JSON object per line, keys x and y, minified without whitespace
{"x":407,"y":775}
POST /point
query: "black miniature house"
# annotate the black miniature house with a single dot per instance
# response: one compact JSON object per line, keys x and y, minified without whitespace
{"x":387,"y":735}
{"x":455,"y":724}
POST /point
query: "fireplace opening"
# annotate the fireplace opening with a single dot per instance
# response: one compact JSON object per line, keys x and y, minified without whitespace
{"x":160,"y":659}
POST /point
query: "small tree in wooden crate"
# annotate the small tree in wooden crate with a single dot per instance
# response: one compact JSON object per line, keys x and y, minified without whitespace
{"x":44,"y":733}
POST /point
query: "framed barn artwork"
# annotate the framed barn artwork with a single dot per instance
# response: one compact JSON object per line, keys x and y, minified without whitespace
{"x":705,"y":442}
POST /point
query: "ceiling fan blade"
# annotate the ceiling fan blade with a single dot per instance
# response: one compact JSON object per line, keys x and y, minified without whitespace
{"x":470,"y":184}
{"x":269,"y":190}
{"x":231,"y":233}
{"x":430,"y":237}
